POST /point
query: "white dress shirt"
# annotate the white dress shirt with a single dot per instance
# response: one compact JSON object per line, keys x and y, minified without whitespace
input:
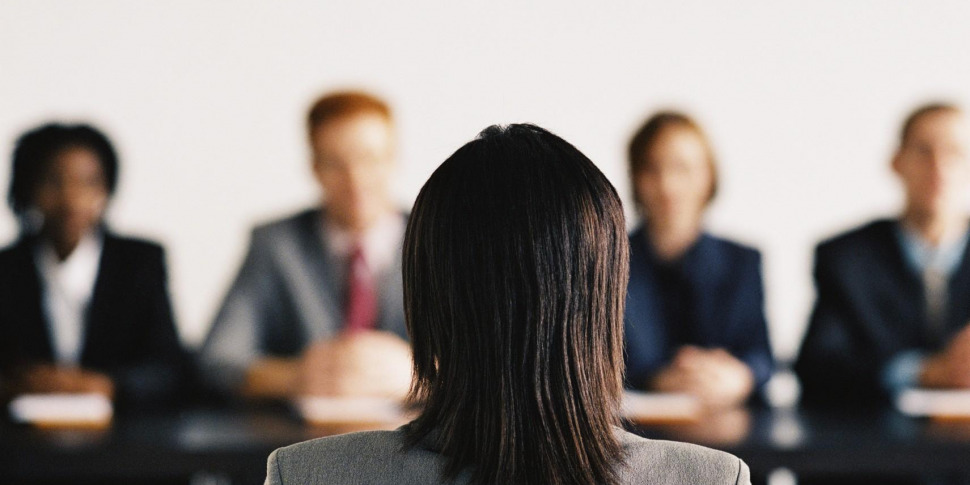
{"x":379,"y":242}
{"x":67,"y":288}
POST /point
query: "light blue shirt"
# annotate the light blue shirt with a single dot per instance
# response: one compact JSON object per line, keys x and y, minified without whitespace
{"x":920,"y":255}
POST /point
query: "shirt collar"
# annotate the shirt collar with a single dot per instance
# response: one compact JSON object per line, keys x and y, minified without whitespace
{"x":81,"y":264}
{"x":380,"y":242}
{"x":922,"y":255}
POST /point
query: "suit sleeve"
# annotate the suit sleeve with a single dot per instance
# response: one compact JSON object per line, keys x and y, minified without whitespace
{"x":159,"y":376}
{"x":834,"y":365}
{"x":273,"y":474}
{"x":235,"y":340}
{"x":744,"y":474}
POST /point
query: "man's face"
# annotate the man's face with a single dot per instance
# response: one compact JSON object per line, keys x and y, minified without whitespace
{"x":934,"y":163}
{"x":353,"y":159}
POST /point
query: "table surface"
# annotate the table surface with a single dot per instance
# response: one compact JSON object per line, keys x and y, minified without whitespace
{"x":236,"y":442}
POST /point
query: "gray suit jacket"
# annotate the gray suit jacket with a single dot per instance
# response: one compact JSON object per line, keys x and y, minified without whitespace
{"x":288,"y":293}
{"x":378,"y":457}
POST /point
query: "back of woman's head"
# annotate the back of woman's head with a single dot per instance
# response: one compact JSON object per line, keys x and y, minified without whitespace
{"x":515,"y":272}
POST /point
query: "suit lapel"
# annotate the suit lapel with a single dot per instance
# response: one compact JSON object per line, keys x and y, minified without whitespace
{"x":958,"y":298}
{"x":908,"y":295}
{"x":390,"y":291}
{"x":703,"y":270}
{"x":328,"y":274}
{"x":324,"y":274}
{"x":97,"y":315}
{"x":643,"y":305}
{"x":35,"y":331}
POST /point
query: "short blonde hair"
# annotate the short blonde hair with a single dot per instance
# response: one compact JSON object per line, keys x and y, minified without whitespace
{"x":648,"y":134}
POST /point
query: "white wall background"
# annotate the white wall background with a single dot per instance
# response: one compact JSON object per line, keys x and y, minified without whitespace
{"x":205,"y":101}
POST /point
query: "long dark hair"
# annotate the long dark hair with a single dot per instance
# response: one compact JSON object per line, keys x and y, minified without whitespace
{"x":515,"y":273}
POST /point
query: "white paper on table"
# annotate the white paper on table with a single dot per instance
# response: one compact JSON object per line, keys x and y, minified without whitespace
{"x":61,"y":409}
{"x":934,"y":402}
{"x":317,"y":409}
{"x":654,"y":406}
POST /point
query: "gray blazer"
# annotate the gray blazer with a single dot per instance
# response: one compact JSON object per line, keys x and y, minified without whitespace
{"x":378,"y":457}
{"x":289,"y":292}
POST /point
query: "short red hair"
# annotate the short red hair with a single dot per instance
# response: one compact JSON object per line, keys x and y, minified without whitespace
{"x":343,"y":104}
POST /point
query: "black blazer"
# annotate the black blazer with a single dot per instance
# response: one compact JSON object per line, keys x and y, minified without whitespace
{"x":129,"y":329}
{"x":870,"y":306}
{"x":721,"y":305}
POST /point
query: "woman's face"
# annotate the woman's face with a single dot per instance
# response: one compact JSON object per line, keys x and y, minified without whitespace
{"x":676,"y":182}
{"x":71,"y":195}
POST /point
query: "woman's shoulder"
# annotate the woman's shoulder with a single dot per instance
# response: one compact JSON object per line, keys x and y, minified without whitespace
{"x":730,"y":247}
{"x":873,"y":237}
{"x":350,"y":443}
{"x":13,"y":249}
{"x":658,"y":461}
{"x":134,"y":249}
{"x":380,"y":457}
{"x":377,"y":457}
{"x":132,"y":243}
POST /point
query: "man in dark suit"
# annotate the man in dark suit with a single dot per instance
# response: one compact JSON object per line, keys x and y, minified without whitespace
{"x":893,"y":296}
{"x":317,"y":307}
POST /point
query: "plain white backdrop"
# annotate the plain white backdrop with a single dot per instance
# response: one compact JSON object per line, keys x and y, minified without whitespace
{"x":205,"y":101}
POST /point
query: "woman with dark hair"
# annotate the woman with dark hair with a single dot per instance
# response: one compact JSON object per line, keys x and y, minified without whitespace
{"x":81,"y":309}
{"x":695,"y":318}
{"x":515,"y":265}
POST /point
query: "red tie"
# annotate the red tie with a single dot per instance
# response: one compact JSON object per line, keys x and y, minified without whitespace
{"x":361,"y":310}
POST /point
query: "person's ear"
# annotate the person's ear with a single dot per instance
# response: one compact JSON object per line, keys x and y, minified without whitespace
{"x":896,"y":163}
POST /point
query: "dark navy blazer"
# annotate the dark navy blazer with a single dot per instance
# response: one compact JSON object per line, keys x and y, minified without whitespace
{"x":722,"y":299}
{"x":870,"y":306}
{"x":129,"y":330}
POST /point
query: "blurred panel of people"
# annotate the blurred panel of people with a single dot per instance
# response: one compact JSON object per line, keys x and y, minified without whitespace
{"x":317,"y":307}
{"x":82,"y":309}
{"x":893,"y":296}
{"x":515,"y":262}
{"x":695,"y":318}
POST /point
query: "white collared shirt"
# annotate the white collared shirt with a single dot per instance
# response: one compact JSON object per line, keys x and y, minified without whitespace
{"x":67,"y":289}
{"x":380,"y":243}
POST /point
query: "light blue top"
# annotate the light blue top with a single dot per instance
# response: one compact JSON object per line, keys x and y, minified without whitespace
{"x":920,"y":255}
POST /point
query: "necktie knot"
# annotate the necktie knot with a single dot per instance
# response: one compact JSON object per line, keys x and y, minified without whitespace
{"x":358,"y":260}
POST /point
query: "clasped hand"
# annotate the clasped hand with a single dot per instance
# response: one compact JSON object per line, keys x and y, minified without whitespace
{"x":714,"y":376}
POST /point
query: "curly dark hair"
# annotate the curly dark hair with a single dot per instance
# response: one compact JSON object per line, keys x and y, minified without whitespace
{"x":37,"y":148}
